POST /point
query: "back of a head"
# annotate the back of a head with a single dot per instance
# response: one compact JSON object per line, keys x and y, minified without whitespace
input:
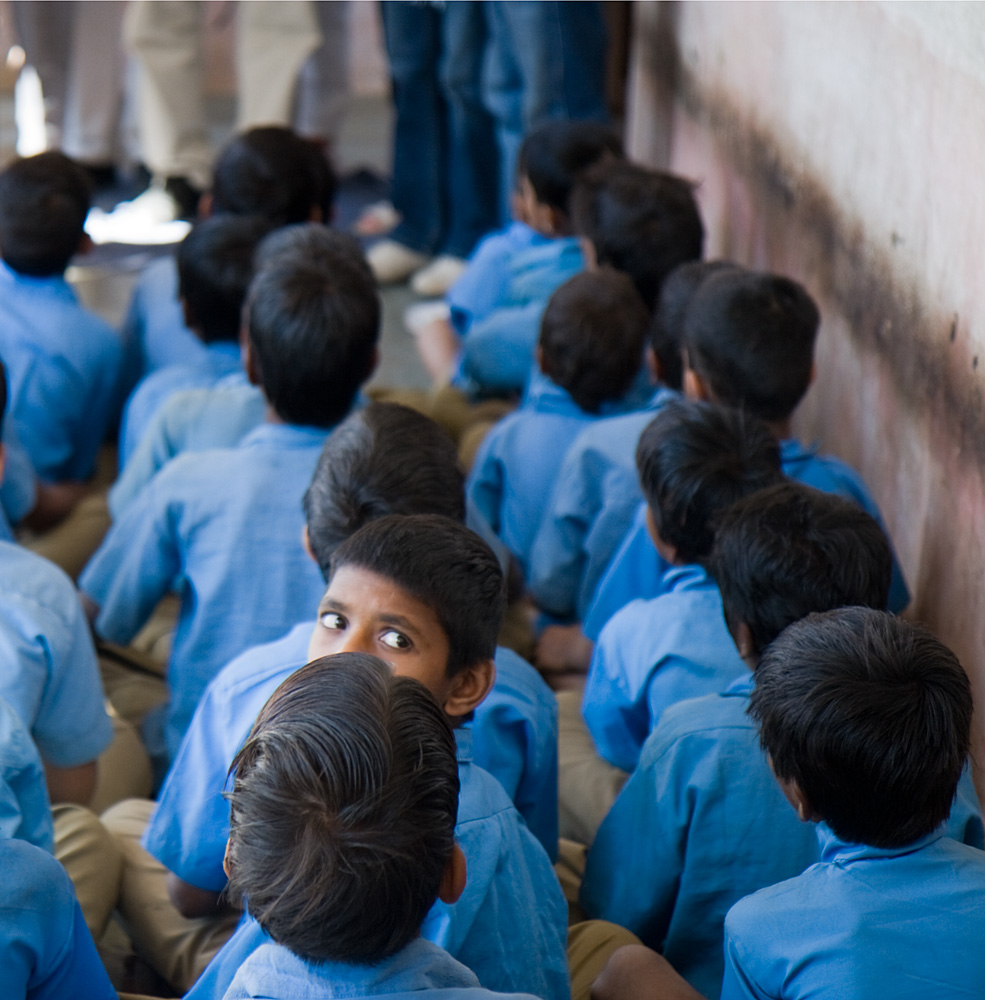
{"x":697,"y":459}
{"x":343,"y":810}
{"x":318,"y":243}
{"x":789,"y":550}
{"x":553,"y":156}
{"x":591,"y":337}
{"x":44,"y":201}
{"x":871,"y":716}
{"x":384,"y":459}
{"x":639,"y":221}
{"x":750,"y":337}
{"x":443,"y":564}
{"x":313,"y":327}
{"x":667,"y":323}
{"x":215,"y":267}
{"x":273,"y":172}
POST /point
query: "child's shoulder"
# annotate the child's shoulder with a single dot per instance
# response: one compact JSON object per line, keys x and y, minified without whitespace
{"x":825,"y":472}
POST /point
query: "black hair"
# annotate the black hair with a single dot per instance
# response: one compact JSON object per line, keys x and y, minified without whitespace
{"x":871,"y":716}
{"x":694,"y":461}
{"x":750,"y":336}
{"x":343,"y":809}
{"x":443,"y":564}
{"x":215,"y":267}
{"x":643,"y":222}
{"x":44,"y":201}
{"x":788,"y":550}
{"x":553,"y":155}
{"x":667,"y":323}
{"x":273,"y":172}
{"x":591,"y":337}
{"x":313,"y":326}
{"x":383,"y":459}
{"x":315,"y":242}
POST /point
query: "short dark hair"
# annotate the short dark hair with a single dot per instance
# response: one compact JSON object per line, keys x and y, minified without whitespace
{"x":553,"y":155}
{"x":215,"y":267}
{"x":383,"y":459}
{"x":591,"y":336}
{"x":694,"y":461}
{"x":342,"y":811}
{"x":443,"y":564}
{"x":871,"y":716}
{"x":313,"y":325}
{"x":44,"y":201}
{"x":273,"y":172}
{"x":750,"y":336}
{"x":315,"y":242}
{"x":788,"y":550}
{"x":643,"y":222}
{"x":667,"y":323}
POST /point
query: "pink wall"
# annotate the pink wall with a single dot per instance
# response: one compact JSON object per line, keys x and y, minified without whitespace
{"x":843,"y":144}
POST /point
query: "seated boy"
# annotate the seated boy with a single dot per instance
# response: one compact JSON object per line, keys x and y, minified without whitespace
{"x":24,"y":810}
{"x":701,"y":822}
{"x":343,"y":886}
{"x":588,"y":353}
{"x":223,"y":527}
{"x":866,"y":720}
{"x":215,"y":266}
{"x":425,"y":593}
{"x":269,"y":172}
{"x":63,"y":362}
{"x":492,"y":352}
{"x":695,"y":461}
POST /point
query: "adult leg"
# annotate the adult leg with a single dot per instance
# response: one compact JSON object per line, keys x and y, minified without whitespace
{"x":323,"y":84}
{"x":44,"y":30}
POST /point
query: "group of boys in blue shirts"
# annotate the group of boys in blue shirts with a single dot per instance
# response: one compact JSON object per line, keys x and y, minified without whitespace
{"x":671,"y":542}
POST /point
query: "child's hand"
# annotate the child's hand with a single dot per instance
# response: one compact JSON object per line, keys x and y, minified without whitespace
{"x":563,"y":649}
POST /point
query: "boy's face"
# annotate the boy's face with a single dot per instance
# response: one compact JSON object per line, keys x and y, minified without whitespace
{"x":366,"y":613}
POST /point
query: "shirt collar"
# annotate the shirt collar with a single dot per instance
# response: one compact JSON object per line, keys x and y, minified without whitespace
{"x":546,"y":396}
{"x":286,"y":436}
{"x":834,"y":850}
{"x":741,"y":686}
{"x":792,"y":450}
{"x":54,"y":284}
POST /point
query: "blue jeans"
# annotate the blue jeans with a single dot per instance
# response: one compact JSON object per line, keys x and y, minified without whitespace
{"x":445,"y":164}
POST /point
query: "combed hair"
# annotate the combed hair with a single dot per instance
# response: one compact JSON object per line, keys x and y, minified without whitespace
{"x":315,"y":242}
{"x":383,"y":459}
{"x":445,"y":566}
{"x":871,"y":716}
{"x":44,"y":201}
{"x":694,"y":461}
{"x":750,"y":336}
{"x":313,"y":323}
{"x":273,"y":172}
{"x":215,"y":267}
{"x":343,"y":809}
{"x":640,"y":221}
{"x":591,"y":337}
{"x":788,"y":550}
{"x":667,"y":324}
{"x":553,"y":155}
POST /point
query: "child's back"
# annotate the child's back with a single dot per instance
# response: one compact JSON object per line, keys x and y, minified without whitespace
{"x":24,"y":811}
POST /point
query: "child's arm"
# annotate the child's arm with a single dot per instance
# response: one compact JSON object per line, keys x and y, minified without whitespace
{"x":486,"y":482}
{"x":637,"y":973}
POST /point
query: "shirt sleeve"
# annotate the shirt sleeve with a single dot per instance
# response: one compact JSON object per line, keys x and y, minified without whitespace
{"x":484,"y":488}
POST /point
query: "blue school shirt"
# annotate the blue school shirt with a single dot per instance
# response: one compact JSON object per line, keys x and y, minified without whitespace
{"x":863,"y":922}
{"x":518,"y":461}
{"x":191,"y":420}
{"x":595,"y":495}
{"x":63,"y":371}
{"x":486,"y":279}
{"x":653,"y":654}
{"x":421,"y":970}
{"x":46,"y":951}
{"x":48,"y":669}
{"x":219,"y":360}
{"x":516,"y":731}
{"x":19,"y":488}
{"x":222,"y":529}
{"x":510,"y":925}
{"x":497,"y":353}
{"x":24,"y":810}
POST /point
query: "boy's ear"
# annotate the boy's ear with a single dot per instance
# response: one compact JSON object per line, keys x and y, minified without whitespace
{"x":666,"y":550}
{"x":745,"y":643}
{"x":588,"y":252}
{"x":694,"y":385}
{"x":454,"y":878}
{"x":306,"y":542}
{"x":652,"y":364}
{"x":539,"y":355}
{"x":795,"y":795}
{"x":469,"y":688}
{"x":250,"y":365}
{"x":227,"y":863}
{"x":187,"y":315}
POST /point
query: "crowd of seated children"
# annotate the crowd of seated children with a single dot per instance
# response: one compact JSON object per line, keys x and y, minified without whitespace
{"x":588,"y":353}
{"x":223,"y":527}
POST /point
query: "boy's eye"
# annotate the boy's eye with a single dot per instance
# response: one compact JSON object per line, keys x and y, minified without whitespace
{"x":332,"y":620}
{"x":395,"y":639}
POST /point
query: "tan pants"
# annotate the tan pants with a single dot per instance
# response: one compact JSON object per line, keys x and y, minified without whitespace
{"x":71,"y":544}
{"x":124,"y":767}
{"x":89,"y":853}
{"x":179,"y":949}
{"x":587,"y":784}
{"x":590,"y":945}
